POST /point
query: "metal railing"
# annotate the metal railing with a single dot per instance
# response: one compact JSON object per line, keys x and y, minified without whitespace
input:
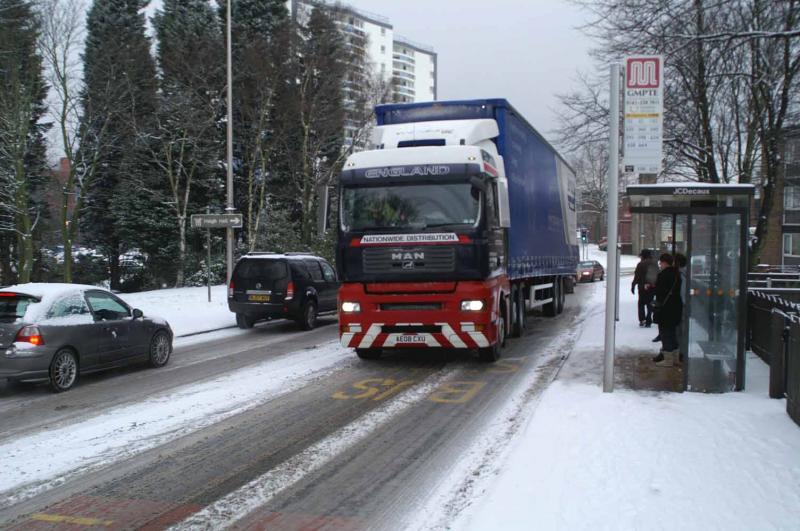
{"x":774,"y":335}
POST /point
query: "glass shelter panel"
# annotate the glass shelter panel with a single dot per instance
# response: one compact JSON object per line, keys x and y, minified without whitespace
{"x":714,"y":276}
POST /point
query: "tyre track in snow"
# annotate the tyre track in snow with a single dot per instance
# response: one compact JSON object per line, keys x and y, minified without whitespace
{"x":33,"y":407}
{"x":344,"y":451}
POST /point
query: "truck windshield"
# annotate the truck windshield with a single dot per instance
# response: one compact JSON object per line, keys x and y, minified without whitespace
{"x":410,"y":206}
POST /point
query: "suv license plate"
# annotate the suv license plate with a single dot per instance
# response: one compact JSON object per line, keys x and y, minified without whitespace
{"x":408,"y":338}
{"x":258,"y":298}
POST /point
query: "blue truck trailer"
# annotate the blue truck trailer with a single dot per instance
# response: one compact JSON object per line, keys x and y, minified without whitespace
{"x":458,"y":224}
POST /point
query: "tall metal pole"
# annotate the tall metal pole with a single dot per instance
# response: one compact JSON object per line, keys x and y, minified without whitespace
{"x":611,"y":244}
{"x":229,"y":208}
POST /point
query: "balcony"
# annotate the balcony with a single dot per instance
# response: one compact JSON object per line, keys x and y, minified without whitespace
{"x":402,"y":74}
{"x":404,"y":59}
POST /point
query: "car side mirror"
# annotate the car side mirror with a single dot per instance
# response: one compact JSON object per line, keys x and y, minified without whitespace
{"x":137,"y":313}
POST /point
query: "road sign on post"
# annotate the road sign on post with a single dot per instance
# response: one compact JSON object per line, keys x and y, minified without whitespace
{"x":644,"y":114}
{"x":216,"y":221}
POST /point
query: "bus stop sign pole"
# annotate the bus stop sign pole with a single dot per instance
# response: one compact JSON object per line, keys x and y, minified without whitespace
{"x":611,"y":243}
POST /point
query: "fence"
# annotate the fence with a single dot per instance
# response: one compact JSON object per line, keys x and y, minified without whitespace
{"x":774,"y":335}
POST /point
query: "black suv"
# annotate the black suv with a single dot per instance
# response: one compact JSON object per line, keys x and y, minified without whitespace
{"x":290,"y":286}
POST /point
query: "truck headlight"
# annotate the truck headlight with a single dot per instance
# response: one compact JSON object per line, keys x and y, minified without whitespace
{"x":351,"y":307}
{"x":472,"y":306}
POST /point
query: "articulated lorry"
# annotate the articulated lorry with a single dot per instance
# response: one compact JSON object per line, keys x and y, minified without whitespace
{"x":459,"y":223}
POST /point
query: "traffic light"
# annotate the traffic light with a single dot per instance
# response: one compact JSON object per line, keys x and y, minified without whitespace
{"x":584,"y":235}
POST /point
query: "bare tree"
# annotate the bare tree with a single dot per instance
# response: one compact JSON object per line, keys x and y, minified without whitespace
{"x":62,"y":37}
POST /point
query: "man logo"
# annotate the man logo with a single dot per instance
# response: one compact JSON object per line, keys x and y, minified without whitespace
{"x":643,"y":72}
{"x":416,"y":255}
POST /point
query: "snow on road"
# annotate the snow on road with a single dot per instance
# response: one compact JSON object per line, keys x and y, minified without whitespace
{"x":40,"y":461}
{"x":637,"y":460}
{"x":186,"y":309}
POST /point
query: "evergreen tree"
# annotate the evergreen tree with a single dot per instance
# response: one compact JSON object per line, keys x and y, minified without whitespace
{"x":261,"y":31}
{"x":323,"y":62}
{"x":191,"y":102}
{"x":119,"y":105}
{"x":22,"y":146}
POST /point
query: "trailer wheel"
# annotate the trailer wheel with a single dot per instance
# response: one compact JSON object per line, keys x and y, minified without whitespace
{"x":551,"y":308}
{"x":516,"y":312}
{"x":561,"y":295}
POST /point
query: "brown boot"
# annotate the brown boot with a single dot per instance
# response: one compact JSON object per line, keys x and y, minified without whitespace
{"x":669,"y":359}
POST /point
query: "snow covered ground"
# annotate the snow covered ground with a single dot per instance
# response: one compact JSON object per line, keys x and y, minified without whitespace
{"x":186,"y":309}
{"x":43,"y":460}
{"x":638,"y":460}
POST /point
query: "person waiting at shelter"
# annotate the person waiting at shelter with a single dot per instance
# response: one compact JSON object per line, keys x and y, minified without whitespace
{"x":668,"y":310}
{"x":644,"y":278}
{"x":680,"y":265}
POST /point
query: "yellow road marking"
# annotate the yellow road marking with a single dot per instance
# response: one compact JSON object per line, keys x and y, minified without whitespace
{"x":70,"y":519}
{"x":456,"y":392}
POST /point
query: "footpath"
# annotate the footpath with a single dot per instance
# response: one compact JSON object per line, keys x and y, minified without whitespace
{"x":644,"y":459}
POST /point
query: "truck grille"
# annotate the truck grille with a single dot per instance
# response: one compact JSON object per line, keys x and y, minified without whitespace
{"x":433,"y":259}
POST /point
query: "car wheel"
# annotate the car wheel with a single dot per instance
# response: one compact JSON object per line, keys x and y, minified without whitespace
{"x":63,"y":370}
{"x":492,"y":353}
{"x":244,"y":322}
{"x":309,"y":318}
{"x":368,"y":353}
{"x":602,"y":277}
{"x":160,"y":349}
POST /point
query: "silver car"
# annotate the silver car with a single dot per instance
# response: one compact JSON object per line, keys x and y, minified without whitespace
{"x":57,"y":331}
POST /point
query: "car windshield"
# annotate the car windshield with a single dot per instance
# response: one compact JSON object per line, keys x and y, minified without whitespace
{"x":410,"y":206}
{"x":586,"y":264}
{"x":14,"y":305}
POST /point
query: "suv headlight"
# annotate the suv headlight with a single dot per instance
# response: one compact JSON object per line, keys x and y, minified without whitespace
{"x":472,"y":306}
{"x":351,"y":307}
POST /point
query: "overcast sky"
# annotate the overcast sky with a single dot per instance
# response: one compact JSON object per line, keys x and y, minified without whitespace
{"x":524,"y":50}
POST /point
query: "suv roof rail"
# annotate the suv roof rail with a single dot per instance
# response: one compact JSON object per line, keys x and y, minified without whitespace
{"x":262,"y":252}
{"x":299,"y":254}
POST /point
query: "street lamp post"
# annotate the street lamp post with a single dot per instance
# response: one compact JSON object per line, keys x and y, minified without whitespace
{"x":229,"y":208}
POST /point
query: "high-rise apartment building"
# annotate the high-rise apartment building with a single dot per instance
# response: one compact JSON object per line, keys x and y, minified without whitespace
{"x":408,"y":66}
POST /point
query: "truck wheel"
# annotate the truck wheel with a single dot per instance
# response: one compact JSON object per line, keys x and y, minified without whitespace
{"x":561,"y":295}
{"x":492,"y":353}
{"x":368,"y":353}
{"x":551,"y":308}
{"x":569,"y":285}
{"x":516,"y":313}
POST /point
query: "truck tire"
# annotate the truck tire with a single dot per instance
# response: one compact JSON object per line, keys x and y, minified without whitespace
{"x":551,"y":308}
{"x":561,"y":295}
{"x":492,"y":353}
{"x":368,"y":353}
{"x":516,"y":313}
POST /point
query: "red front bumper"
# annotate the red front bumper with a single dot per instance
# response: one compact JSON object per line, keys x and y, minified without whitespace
{"x":397,"y":315}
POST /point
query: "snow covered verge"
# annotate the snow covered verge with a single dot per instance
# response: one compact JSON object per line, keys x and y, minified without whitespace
{"x":43,"y":460}
{"x":638,"y":460}
{"x":186,"y":309}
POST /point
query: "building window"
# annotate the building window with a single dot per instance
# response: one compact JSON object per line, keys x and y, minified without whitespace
{"x":383,"y":67}
{"x":791,"y":205}
{"x":791,"y":245}
{"x":383,"y":48}
{"x":383,"y":31}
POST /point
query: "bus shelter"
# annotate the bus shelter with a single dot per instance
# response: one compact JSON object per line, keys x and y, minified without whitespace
{"x":709,"y":223}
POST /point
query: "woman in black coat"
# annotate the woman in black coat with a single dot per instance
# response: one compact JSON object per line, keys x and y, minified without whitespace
{"x":669,"y":310}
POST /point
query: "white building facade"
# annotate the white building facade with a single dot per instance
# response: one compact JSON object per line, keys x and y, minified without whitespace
{"x":410,"y":67}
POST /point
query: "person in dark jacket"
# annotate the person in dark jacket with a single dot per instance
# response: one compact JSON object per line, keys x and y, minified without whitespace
{"x":669,"y":310}
{"x":644,"y":278}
